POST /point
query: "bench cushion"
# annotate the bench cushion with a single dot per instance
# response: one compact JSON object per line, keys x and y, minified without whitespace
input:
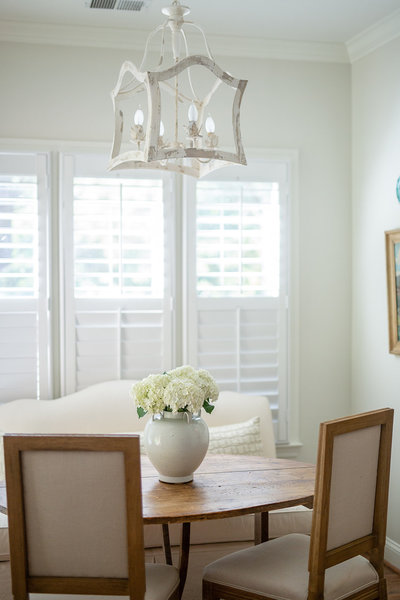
{"x":4,"y":544}
{"x":234,"y":529}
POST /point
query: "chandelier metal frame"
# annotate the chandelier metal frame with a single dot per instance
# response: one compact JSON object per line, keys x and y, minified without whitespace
{"x":199,"y":153}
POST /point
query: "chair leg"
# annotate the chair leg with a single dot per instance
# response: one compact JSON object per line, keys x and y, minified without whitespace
{"x":382,"y":589}
{"x":175,"y":595}
{"x":261,"y":527}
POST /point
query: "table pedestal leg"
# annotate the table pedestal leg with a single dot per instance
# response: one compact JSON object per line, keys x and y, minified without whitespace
{"x":184,"y":556}
{"x":166,"y":544}
{"x":261,"y":527}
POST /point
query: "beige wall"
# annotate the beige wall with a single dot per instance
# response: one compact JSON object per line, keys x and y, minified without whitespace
{"x":376,"y":160}
{"x":63,"y":93}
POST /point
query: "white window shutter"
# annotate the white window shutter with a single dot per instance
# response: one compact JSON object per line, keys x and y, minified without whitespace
{"x":24,"y":315}
{"x":118,"y":289}
{"x":236,"y":286}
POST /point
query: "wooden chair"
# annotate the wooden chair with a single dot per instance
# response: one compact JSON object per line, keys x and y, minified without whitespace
{"x":349,"y":523}
{"x":75,"y":518}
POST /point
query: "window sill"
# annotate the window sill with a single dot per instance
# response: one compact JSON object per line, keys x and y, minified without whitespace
{"x":288,"y":450}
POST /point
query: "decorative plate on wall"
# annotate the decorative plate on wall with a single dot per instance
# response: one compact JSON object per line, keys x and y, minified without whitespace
{"x":398,"y":189}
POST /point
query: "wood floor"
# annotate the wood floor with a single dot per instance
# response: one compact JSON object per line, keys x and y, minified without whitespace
{"x":393,"y":583}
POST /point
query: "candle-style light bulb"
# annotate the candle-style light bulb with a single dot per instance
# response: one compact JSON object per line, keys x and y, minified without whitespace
{"x":210,"y":125}
{"x":138,"y":118}
{"x":162,"y":129}
{"x":193,"y":113}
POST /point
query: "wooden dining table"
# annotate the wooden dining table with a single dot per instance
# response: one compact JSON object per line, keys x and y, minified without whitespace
{"x":223,"y":486}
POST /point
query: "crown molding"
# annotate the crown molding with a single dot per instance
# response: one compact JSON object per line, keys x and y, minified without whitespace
{"x":102,"y":37}
{"x":279,"y":49}
{"x":68,"y":35}
{"x":374,"y":37}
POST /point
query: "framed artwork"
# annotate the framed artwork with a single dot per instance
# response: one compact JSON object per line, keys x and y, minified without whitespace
{"x":393,"y":285}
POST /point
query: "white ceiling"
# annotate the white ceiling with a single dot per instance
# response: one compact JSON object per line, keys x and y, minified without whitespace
{"x":329,"y":21}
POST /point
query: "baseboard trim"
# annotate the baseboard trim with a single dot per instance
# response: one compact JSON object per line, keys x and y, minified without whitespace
{"x":392,"y":567}
{"x":392,"y":554}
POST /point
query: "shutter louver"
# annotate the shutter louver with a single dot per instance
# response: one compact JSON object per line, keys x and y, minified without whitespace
{"x":239,"y":347}
{"x":23,"y":291}
{"x":117,"y":344}
{"x":18,"y":353}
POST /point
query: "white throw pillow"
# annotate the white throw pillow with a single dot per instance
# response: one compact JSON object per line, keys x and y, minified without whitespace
{"x":238,"y":438}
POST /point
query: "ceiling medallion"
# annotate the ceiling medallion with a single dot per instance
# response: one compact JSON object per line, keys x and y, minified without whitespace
{"x":164,"y":117}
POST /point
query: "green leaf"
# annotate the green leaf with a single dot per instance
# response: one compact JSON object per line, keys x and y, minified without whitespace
{"x":140,"y":411}
{"x":208,"y":407}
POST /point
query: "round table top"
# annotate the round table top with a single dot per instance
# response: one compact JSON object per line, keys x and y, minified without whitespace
{"x":227,"y":486}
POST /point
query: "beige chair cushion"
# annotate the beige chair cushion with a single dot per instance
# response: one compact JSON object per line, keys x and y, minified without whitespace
{"x":279,"y":569}
{"x":200,"y":556}
{"x":5,"y":581}
{"x":4,"y":545}
{"x":161,"y":581}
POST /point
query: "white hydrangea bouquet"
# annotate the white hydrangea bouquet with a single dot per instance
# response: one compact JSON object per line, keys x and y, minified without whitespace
{"x":181,"y":390}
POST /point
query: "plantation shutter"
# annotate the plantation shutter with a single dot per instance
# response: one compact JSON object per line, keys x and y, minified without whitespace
{"x":237,"y":283}
{"x":117,"y":287}
{"x":24,"y":333}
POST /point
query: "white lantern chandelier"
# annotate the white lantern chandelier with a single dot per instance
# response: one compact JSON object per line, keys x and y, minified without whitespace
{"x":167,"y":118}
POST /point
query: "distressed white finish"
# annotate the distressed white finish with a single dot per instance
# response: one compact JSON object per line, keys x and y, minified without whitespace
{"x":193,"y":153}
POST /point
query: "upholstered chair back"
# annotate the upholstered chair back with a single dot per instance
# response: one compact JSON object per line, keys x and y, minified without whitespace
{"x":75,"y":514}
{"x":354,"y":469}
{"x":351,"y":495}
{"x":63,"y":514}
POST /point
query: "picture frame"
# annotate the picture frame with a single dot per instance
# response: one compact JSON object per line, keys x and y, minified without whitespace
{"x":393,"y":287}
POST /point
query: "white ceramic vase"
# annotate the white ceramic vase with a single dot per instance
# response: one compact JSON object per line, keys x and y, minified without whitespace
{"x":176,"y":444}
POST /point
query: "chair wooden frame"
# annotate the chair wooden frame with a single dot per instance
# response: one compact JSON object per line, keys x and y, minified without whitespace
{"x":371,"y":545}
{"x":22,"y":582}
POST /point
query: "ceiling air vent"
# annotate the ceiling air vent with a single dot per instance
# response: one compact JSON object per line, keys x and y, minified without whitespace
{"x":118,"y":4}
